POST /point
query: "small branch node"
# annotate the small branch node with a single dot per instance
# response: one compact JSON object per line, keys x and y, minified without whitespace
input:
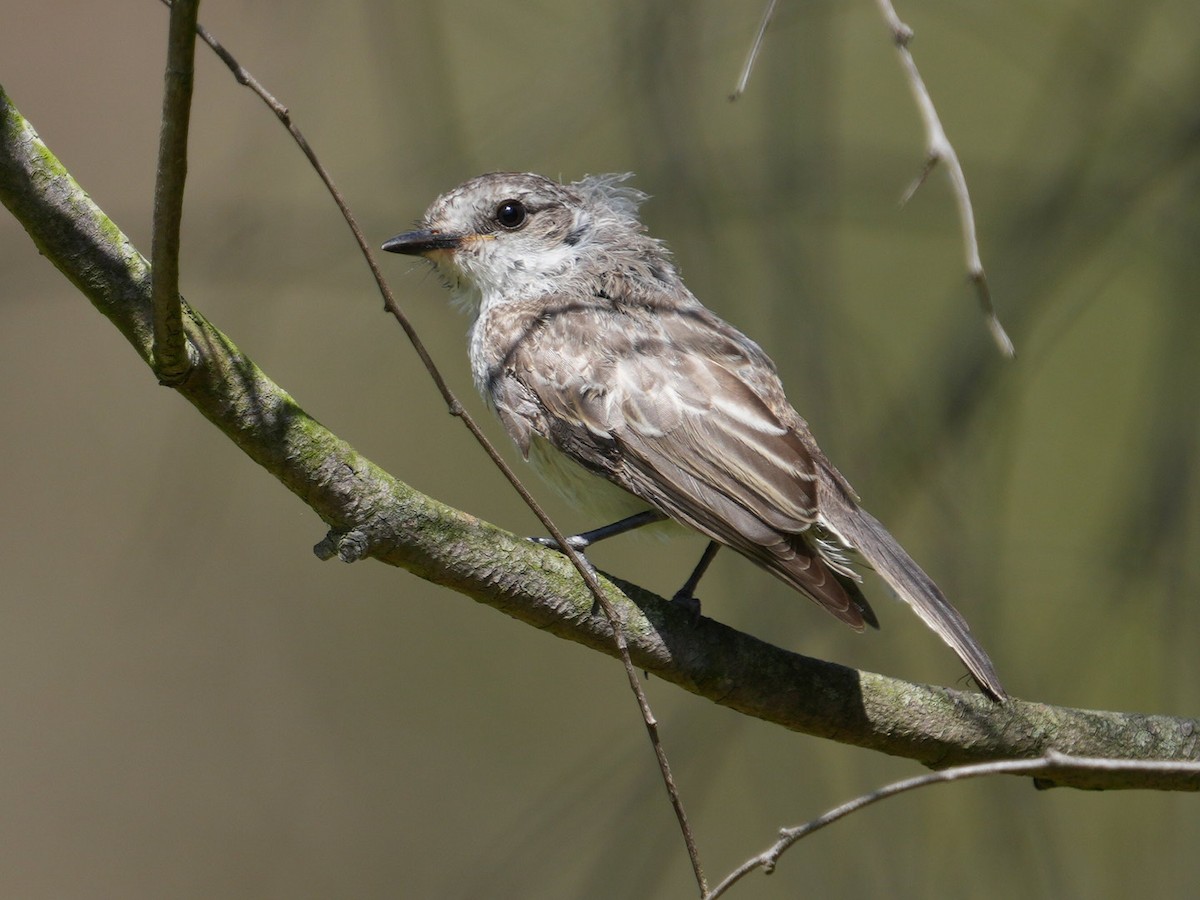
{"x":174,"y":371}
{"x":931,"y":161}
{"x":348,"y":546}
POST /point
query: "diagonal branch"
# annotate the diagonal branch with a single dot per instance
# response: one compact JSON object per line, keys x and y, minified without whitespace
{"x":370,"y":513}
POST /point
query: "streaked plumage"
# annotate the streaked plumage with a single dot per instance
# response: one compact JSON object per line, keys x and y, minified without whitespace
{"x":585,"y":341}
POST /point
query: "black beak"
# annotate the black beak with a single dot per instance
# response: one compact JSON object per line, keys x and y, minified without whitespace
{"x":418,"y":243}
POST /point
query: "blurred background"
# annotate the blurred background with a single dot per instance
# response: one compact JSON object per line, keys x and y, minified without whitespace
{"x":192,"y":705}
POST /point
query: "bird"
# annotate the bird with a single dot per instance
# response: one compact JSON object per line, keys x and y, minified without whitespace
{"x":639,"y":403}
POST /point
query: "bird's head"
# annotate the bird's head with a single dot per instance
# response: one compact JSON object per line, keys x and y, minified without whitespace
{"x":509,"y":236}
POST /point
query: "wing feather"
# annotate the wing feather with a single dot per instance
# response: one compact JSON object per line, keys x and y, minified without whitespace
{"x":659,"y":403}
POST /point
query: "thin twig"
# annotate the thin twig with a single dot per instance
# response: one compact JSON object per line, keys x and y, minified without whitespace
{"x":171,"y":359}
{"x":586,"y":571}
{"x":1051,"y":763}
{"x":939,"y":149}
{"x":752,"y":56}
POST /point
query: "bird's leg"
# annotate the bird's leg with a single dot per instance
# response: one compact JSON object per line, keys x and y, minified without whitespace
{"x":585,"y":539}
{"x":686,"y":595}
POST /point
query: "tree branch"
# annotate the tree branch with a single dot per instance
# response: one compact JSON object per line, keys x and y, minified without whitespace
{"x":939,"y":149}
{"x":752,"y":56}
{"x":171,"y":358}
{"x":1053,"y":763}
{"x":370,"y":513}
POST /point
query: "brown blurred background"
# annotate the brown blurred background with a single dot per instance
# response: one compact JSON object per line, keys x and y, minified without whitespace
{"x":192,"y":705}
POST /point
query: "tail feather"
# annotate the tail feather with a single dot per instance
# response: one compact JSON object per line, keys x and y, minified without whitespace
{"x":864,"y":533}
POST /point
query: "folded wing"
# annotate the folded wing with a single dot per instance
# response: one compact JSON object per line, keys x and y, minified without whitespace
{"x":666,"y":406}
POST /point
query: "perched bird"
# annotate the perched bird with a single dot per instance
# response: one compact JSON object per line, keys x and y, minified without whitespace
{"x":635,"y":399}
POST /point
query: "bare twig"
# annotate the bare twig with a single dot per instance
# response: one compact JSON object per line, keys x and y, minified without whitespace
{"x":1052,"y":763}
{"x":585,"y":569}
{"x":752,"y":56}
{"x":939,"y":149}
{"x":171,"y":359}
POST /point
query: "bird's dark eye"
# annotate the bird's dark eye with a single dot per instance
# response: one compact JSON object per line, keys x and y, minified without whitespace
{"x":511,"y":214}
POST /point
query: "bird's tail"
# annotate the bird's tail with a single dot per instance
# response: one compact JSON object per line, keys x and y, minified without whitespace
{"x":862,"y":531}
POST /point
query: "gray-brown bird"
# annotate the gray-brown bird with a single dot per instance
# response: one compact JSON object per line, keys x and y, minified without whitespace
{"x":639,"y":403}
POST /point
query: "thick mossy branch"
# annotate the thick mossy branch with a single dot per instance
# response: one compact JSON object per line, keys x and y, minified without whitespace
{"x":371,"y":513}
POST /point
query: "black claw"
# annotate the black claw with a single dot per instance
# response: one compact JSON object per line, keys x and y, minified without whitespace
{"x":686,"y":595}
{"x":575,"y":541}
{"x":585,"y":539}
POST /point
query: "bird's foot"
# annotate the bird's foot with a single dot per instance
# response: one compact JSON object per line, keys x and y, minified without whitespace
{"x":577,"y":542}
{"x":689,"y":603}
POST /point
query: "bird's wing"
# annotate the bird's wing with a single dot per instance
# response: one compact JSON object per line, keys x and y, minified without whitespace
{"x":862,"y":531}
{"x":679,"y":409}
